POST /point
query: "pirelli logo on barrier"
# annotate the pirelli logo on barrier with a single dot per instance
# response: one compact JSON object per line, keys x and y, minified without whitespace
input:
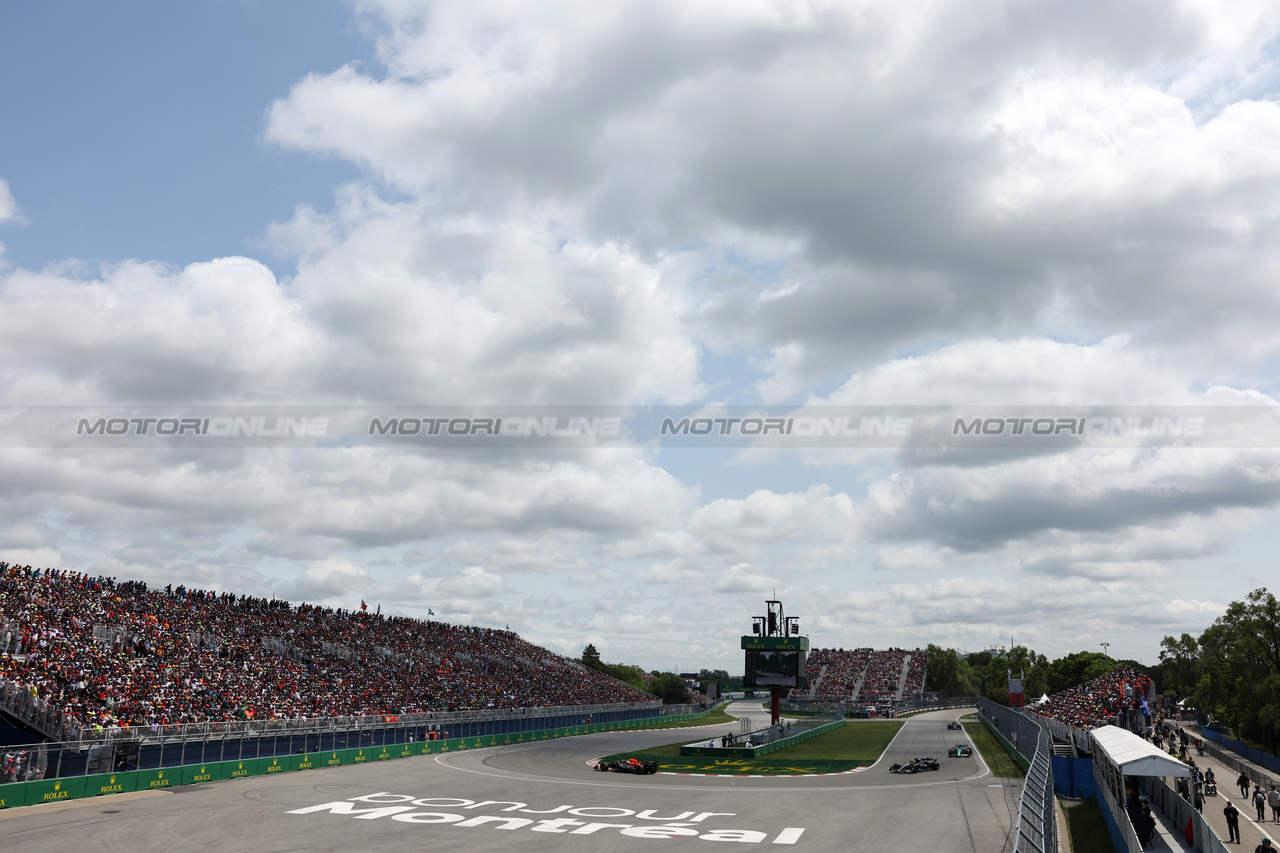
{"x":239,"y":772}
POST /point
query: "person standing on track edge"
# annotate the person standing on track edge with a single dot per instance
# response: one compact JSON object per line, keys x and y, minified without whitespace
{"x":1232,"y":815}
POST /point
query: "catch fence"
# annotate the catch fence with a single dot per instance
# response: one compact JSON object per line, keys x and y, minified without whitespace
{"x":1031,"y":745}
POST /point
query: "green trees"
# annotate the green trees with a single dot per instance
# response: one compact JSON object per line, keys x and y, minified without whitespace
{"x":670,"y":688}
{"x":1077,"y":668}
{"x":667,"y":686}
{"x":946,"y":673}
{"x":1238,"y":669}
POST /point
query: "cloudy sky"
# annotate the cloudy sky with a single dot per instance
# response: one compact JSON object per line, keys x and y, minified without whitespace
{"x":747,"y":203}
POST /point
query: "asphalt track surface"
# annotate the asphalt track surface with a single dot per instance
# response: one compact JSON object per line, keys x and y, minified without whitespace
{"x":545,"y":796}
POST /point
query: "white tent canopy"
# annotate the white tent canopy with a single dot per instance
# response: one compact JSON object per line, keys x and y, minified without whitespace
{"x":1134,"y":756}
{"x":1044,"y":697}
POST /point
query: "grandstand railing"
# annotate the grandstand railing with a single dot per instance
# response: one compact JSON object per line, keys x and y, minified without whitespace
{"x":39,"y":715}
{"x":1079,"y":738}
{"x":115,"y":752}
{"x":1036,"y":827}
{"x":17,"y":700}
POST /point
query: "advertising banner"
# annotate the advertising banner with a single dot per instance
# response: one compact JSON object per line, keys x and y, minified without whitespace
{"x":110,"y":783}
{"x":53,"y":790}
{"x":194,"y":774}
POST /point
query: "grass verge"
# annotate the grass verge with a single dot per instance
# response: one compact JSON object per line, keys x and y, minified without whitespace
{"x":716,"y":718}
{"x":1086,"y":827}
{"x":992,"y":751}
{"x":837,"y":751}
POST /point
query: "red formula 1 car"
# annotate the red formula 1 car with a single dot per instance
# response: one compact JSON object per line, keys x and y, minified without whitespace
{"x":628,"y":765}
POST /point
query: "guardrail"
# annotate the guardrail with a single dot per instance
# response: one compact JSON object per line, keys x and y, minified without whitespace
{"x":46,"y":790}
{"x":1031,"y":746}
{"x":113,"y":752}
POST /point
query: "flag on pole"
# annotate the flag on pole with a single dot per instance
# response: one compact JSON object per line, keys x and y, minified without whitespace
{"x":363,"y":606}
{"x":430,"y":612}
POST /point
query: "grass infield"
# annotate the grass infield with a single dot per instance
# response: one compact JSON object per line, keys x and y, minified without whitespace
{"x":852,"y":745}
{"x":992,"y":752}
{"x":1086,"y":827}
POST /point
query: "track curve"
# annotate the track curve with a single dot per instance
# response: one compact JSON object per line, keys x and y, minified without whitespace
{"x":545,"y":796}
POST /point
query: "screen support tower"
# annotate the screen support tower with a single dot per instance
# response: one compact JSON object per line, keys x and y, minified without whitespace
{"x":775,"y":654}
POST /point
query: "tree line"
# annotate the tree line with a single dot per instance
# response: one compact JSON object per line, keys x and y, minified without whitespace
{"x":1231,"y":672}
{"x":987,"y":673}
{"x":667,"y":686}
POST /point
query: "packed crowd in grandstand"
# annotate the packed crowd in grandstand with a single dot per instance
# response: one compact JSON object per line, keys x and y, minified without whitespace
{"x":867,"y":675}
{"x":1102,"y":701}
{"x":105,"y":653}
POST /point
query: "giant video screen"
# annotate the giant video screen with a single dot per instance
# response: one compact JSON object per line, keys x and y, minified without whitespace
{"x":774,"y":669}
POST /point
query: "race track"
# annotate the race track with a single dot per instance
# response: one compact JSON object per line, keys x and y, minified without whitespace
{"x":545,"y":796}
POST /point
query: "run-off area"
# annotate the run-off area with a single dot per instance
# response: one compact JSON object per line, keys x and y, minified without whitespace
{"x":452,"y":813}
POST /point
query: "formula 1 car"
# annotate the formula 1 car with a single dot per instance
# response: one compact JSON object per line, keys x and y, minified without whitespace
{"x":628,"y":765}
{"x":915,"y":765}
{"x":954,"y":724}
{"x":960,"y":750}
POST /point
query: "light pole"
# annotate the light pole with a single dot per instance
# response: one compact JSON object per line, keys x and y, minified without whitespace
{"x":1105,"y":646}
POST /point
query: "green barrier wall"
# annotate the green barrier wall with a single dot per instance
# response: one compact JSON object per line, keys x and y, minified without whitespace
{"x":111,"y":783}
{"x":241,"y":769}
{"x":195,"y":774}
{"x":276,"y":764}
{"x":1018,"y":758}
{"x":53,"y":790}
{"x":14,"y":794}
{"x":76,"y":787}
{"x":168,"y":777}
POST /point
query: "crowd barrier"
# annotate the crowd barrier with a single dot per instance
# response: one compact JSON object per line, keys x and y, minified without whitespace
{"x":77,"y":787}
{"x":1257,"y":756}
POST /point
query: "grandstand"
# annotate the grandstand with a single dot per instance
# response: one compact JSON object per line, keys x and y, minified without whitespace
{"x":90,"y":654}
{"x":864,"y":675}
